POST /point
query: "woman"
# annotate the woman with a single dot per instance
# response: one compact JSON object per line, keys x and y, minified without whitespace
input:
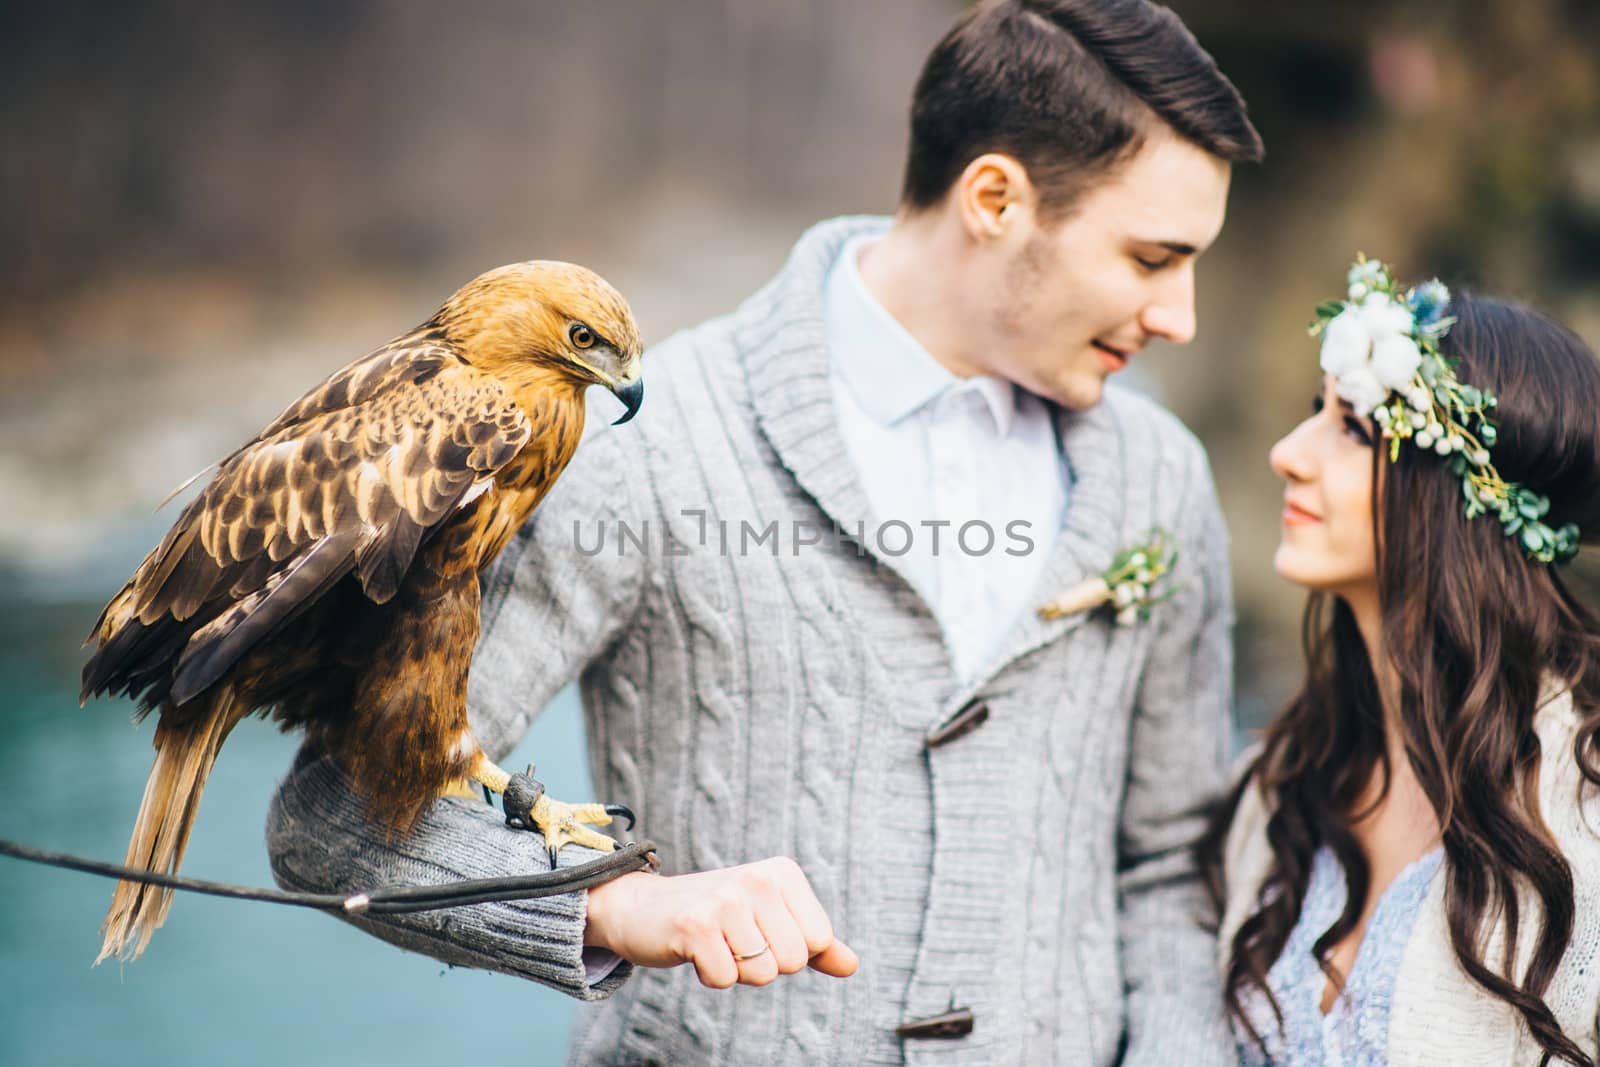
{"x":1409,"y":869}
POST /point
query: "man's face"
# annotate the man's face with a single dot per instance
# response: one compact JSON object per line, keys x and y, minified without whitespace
{"x":1070,"y":304}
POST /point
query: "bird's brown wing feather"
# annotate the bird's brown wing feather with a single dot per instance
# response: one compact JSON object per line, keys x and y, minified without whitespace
{"x":352,"y":476}
{"x":414,"y":358}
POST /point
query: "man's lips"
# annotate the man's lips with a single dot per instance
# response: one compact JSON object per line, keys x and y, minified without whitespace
{"x":1119,"y":356}
{"x":1295,"y":515}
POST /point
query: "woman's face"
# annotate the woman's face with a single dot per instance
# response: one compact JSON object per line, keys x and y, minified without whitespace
{"x":1327,"y":536}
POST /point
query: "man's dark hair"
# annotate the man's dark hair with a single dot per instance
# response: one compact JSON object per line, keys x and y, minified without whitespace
{"x":1070,"y":88}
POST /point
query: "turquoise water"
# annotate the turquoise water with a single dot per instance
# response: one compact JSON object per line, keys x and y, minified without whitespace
{"x":223,"y":982}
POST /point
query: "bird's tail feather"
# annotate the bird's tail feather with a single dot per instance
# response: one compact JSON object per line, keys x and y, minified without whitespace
{"x":184,"y":757}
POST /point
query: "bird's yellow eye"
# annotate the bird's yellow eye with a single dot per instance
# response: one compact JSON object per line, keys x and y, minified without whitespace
{"x":581,"y":335}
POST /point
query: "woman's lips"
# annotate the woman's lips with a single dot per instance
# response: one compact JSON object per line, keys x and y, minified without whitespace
{"x":1295,"y":515}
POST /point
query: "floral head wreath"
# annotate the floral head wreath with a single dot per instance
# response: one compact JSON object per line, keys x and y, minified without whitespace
{"x":1382,"y":348}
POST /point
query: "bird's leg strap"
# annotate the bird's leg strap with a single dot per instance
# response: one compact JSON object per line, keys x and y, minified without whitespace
{"x":519,"y":792}
{"x":522,"y":793}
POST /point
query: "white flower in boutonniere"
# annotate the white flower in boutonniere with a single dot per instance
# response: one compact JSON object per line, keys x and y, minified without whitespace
{"x":1128,"y":585}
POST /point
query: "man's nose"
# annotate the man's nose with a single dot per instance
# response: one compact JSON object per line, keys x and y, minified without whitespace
{"x":1171,"y":317}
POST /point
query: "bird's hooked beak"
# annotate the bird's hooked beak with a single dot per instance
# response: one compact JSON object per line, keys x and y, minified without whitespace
{"x":631,"y":395}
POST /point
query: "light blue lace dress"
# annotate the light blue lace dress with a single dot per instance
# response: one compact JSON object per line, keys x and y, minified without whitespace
{"x":1355,"y":1032}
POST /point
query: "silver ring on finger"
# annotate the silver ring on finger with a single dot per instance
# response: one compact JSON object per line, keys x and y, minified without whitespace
{"x":743,"y":956}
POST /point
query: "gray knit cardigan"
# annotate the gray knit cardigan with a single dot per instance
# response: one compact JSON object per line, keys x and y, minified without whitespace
{"x":750,"y":693}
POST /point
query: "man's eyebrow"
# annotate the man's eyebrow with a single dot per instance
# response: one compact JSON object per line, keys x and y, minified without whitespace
{"x":1178,"y":248}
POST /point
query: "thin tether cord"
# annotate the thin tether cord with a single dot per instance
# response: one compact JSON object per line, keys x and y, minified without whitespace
{"x":384,"y":900}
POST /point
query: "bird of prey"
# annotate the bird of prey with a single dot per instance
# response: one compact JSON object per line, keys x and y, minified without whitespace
{"x":328,"y":572}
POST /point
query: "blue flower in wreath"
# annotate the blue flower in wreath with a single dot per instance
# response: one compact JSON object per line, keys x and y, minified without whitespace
{"x":1429,"y":302}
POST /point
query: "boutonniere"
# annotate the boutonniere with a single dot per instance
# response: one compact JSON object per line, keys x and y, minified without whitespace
{"x":1128,"y":585}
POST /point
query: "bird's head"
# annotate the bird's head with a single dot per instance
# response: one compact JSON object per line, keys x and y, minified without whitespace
{"x":526,"y":321}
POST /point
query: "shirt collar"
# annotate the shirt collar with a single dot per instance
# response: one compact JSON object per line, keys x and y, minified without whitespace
{"x":886,"y":369}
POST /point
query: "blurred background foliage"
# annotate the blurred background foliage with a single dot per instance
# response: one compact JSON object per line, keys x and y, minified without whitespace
{"x":205,"y":208}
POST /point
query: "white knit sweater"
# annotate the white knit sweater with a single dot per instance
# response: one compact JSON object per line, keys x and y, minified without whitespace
{"x":1439,"y":1015}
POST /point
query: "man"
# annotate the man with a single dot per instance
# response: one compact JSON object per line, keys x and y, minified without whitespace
{"x":809,"y":630}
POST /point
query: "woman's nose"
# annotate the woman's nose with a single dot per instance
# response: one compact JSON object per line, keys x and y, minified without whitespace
{"x":1289,"y":458}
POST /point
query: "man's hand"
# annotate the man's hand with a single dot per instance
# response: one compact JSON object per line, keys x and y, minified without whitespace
{"x":744,"y":924}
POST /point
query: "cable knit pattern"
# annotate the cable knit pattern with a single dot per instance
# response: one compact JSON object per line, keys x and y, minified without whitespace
{"x":1436,"y":1013}
{"x":770,"y":698}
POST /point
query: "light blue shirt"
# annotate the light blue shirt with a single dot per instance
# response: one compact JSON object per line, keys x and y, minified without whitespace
{"x":1355,"y":1031}
{"x":966,"y":473}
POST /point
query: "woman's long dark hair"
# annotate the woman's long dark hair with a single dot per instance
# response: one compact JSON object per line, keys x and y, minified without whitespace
{"x":1471,"y":626}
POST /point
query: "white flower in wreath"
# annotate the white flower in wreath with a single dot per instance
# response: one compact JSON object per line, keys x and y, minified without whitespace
{"x":1369,"y":350}
{"x":1395,"y":360}
{"x":1363,"y":278}
{"x":1345,"y":345}
{"x":1362,"y":388}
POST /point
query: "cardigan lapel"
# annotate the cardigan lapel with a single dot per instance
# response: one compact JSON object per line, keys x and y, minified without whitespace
{"x":786,"y":362}
{"x":1091,"y":531}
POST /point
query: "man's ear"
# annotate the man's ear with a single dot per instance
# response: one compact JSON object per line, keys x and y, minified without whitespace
{"x":993,"y":195}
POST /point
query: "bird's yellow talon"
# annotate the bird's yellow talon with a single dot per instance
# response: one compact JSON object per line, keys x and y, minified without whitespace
{"x":528,"y":807}
{"x":563,"y":824}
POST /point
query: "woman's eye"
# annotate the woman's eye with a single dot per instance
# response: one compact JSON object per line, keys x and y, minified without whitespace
{"x":1316,"y":404}
{"x":1354,"y":428}
{"x":1153,"y":264}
